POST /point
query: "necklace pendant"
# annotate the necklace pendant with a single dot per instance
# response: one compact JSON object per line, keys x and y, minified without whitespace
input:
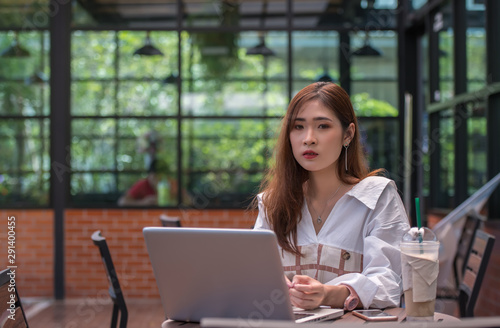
{"x":319,"y":219}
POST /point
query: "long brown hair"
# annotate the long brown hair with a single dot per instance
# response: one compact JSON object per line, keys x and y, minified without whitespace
{"x":282,"y":186}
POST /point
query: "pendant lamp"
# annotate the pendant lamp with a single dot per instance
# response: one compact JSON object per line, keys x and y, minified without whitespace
{"x":261,"y":48}
{"x":15,"y":50}
{"x":367,"y":50}
{"x":148,"y":49}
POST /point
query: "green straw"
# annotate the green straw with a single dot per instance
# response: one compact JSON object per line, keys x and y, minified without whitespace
{"x":419,"y":222}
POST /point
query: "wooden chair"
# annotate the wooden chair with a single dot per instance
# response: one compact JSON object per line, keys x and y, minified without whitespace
{"x":115,"y":292}
{"x":471,"y":225}
{"x":170,"y":221}
{"x":475,"y":269}
{"x":10,"y":304}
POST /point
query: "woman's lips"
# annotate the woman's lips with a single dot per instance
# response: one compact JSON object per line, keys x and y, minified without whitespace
{"x":309,"y":154}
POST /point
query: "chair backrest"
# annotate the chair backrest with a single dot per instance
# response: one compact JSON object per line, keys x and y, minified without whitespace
{"x":475,"y":269}
{"x":170,"y":221}
{"x":115,"y":291}
{"x":471,"y":225}
{"x":12,"y":313}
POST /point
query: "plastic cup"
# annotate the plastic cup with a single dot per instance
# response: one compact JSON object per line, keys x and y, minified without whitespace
{"x":420,"y":267}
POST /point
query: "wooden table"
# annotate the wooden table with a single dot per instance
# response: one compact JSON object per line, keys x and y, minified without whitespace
{"x":347,"y":318}
{"x":399,"y":312}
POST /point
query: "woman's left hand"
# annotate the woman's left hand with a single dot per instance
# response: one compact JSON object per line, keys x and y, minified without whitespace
{"x":306,"y":293}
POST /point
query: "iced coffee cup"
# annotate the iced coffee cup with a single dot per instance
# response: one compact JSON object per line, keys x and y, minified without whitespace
{"x":420,"y":268}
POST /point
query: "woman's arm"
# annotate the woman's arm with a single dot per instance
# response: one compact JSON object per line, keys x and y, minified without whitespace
{"x":379,"y":285}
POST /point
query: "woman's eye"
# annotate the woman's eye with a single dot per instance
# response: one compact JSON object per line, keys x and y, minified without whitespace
{"x":298,"y":127}
{"x":323,"y":126}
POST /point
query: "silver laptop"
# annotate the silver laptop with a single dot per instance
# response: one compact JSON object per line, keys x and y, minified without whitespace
{"x":222,"y":273}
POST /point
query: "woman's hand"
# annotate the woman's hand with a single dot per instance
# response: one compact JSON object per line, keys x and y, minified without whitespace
{"x":306,"y":292}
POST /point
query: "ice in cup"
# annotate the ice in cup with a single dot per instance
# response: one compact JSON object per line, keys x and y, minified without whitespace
{"x":420,"y":268}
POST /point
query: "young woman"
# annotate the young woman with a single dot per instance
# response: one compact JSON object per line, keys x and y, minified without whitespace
{"x":338,"y":224}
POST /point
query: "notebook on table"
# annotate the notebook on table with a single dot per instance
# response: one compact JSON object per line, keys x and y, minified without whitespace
{"x":222,"y":273}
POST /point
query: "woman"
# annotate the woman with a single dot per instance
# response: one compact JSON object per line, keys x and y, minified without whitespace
{"x":338,"y":224}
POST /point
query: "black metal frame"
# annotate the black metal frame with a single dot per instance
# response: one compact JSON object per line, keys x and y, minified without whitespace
{"x":115,"y":291}
{"x":493,"y":101}
{"x":411,"y":26}
{"x":170,"y":221}
{"x":478,"y":258}
{"x":4,"y":283}
{"x":471,"y":225}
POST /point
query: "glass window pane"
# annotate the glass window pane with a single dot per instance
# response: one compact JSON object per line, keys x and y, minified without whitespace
{"x":477,"y":151}
{"x":417,"y":4}
{"x":25,"y":14}
{"x":374,"y":77}
{"x":238,"y":99}
{"x":92,"y":54}
{"x":124,"y":14}
{"x":24,"y":53}
{"x":381,"y":142}
{"x":375,"y":98}
{"x":93,"y":98}
{"x":19,"y":99}
{"x":220,"y":189}
{"x":88,"y":187}
{"x":446,"y":58}
{"x":246,"y":14}
{"x":476,"y":59}
{"x":476,"y":45}
{"x":93,"y":145}
{"x":141,"y":140}
{"x":339,"y":14}
{"x":447,"y":160}
{"x":156,"y":67}
{"x":146,"y":98}
{"x":315,"y":55}
{"x":383,"y":66}
{"x":220,"y":78}
{"x":24,"y":164}
{"x":225,"y":151}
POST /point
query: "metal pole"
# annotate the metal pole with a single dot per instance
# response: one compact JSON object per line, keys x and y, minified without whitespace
{"x":60,"y":90}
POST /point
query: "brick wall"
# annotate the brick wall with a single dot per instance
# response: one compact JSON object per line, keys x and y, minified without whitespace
{"x":34,"y":250}
{"x":84,"y":272}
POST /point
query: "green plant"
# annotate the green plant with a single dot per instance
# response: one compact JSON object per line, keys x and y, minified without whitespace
{"x":219,"y":50}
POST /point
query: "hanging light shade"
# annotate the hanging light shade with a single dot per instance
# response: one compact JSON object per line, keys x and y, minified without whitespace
{"x":15,"y":50}
{"x":148,"y":49}
{"x":261,"y":49}
{"x":367,"y":50}
{"x":325,"y":77}
{"x":37,"y":78}
{"x":171,"y":79}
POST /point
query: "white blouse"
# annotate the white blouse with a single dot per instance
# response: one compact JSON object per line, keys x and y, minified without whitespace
{"x":358,"y":244}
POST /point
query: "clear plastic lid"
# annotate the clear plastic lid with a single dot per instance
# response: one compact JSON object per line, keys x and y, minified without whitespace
{"x":418,"y":235}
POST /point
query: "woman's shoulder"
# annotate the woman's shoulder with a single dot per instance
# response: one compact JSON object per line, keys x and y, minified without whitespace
{"x":373,"y":182}
{"x":369,"y":189}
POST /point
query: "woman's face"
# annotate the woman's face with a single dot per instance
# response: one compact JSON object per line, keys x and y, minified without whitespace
{"x":317,"y":137}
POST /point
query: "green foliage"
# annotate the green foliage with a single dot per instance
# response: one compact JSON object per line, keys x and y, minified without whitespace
{"x":218,"y":51}
{"x":364,"y":105}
